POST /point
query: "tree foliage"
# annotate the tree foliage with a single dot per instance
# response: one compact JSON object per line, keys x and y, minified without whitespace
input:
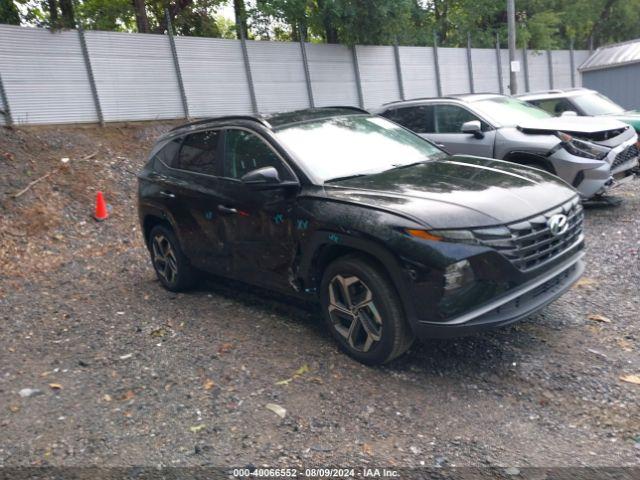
{"x":9,"y":12}
{"x":541,"y":24}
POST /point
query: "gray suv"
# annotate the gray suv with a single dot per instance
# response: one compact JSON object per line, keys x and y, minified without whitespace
{"x":592,"y":154}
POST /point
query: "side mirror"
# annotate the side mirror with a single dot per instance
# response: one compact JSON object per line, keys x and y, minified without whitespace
{"x":473,"y":127}
{"x":261,"y":176}
{"x":569,"y":113}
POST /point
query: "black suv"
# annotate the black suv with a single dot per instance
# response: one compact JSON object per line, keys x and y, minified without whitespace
{"x":394,"y":237}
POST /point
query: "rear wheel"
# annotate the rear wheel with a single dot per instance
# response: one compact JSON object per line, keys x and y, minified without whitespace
{"x":171,"y":265}
{"x":363,"y":311}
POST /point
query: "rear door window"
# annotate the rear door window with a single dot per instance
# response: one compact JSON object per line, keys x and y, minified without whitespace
{"x":199,"y":153}
{"x":419,"y":118}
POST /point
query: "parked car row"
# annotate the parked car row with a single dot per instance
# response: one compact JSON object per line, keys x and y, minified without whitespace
{"x":436,"y":218}
{"x":591,"y":154}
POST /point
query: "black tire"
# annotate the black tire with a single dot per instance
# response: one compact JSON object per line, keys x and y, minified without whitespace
{"x":176,"y":275}
{"x":395,"y":335}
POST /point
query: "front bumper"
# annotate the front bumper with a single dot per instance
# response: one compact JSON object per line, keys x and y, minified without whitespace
{"x":595,"y":177}
{"x":514,"y":305}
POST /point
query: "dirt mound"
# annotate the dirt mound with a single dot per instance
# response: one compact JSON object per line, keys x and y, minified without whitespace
{"x":48,"y":180}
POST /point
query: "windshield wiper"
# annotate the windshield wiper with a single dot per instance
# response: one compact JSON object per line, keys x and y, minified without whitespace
{"x":346,"y":177}
{"x":398,"y":167}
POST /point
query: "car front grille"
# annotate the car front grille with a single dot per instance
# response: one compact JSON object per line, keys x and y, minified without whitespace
{"x":624,"y":156}
{"x":530,"y":244}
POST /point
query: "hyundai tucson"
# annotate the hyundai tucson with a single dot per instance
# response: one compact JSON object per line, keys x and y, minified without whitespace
{"x":394,"y":238}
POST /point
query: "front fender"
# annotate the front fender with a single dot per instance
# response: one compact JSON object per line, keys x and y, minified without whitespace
{"x":325,"y":245}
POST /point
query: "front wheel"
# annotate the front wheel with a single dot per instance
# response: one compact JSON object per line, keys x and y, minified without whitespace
{"x":363,"y":311}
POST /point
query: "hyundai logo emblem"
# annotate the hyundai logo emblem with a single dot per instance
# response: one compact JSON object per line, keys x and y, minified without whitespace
{"x":558,"y":224}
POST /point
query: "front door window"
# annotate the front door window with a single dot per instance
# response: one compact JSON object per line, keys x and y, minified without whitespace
{"x":245,"y":151}
{"x":450,"y":118}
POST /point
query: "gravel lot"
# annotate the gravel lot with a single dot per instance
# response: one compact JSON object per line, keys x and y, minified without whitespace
{"x":130,"y":374}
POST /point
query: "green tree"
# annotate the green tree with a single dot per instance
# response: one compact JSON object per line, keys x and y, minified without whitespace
{"x":111,"y":15}
{"x":372,"y":21}
{"x":292,"y":13}
{"x":9,"y":12}
{"x":541,"y":24}
{"x":226,"y":27}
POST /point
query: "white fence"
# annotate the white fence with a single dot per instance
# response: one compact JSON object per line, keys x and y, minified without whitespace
{"x":93,"y":76}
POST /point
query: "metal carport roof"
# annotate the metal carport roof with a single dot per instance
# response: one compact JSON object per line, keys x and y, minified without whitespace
{"x":613,"y":56}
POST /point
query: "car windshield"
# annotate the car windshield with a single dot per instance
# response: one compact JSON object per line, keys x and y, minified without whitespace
{"x":347,"y":146}
{"x":596,"y":104}
{"x":508,"y":112}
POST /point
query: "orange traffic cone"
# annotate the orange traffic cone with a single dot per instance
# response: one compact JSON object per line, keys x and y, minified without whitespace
{"x":101,"y":208}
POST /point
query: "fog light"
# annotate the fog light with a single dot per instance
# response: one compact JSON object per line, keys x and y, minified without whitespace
{"x":457,"y":275}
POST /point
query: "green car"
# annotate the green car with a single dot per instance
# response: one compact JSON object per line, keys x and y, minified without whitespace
{"x":582,"y":102}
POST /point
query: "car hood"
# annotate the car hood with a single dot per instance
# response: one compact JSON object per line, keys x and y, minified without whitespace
{"x":587,"y":127}
{"x":457,"y":192}
{"x":631,"y":117}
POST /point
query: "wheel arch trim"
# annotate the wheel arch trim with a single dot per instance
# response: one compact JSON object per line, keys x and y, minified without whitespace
{"x":513,"y":155}
{"x":149,"y":212}
{"x":326,"y":246}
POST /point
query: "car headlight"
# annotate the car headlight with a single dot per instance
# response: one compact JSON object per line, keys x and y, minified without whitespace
{"x":583,"y":149}
{"x":457,"y":275}
{"x":455,"y":236}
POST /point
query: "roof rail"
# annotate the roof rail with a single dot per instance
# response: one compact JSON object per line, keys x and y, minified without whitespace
{"x":554,"y":91}
{"x":457,"y":96}
{"x":410,"y":100}
{"x":254,"y":118}
{"x":346,"y":107}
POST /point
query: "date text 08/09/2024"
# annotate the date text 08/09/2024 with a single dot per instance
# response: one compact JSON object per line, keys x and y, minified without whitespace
{"x":315,"y":473}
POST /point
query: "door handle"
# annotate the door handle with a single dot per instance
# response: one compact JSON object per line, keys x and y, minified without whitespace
{"x":441,"y":145}
{"x":167,"y":194}
{"x":227,"y":210}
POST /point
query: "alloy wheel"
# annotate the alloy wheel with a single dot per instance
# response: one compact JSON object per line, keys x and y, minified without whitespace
{"x":353,"y":312}
{"x":164,"y":258}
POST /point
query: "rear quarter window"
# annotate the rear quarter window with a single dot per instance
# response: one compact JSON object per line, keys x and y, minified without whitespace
{"x":168,"y":153}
